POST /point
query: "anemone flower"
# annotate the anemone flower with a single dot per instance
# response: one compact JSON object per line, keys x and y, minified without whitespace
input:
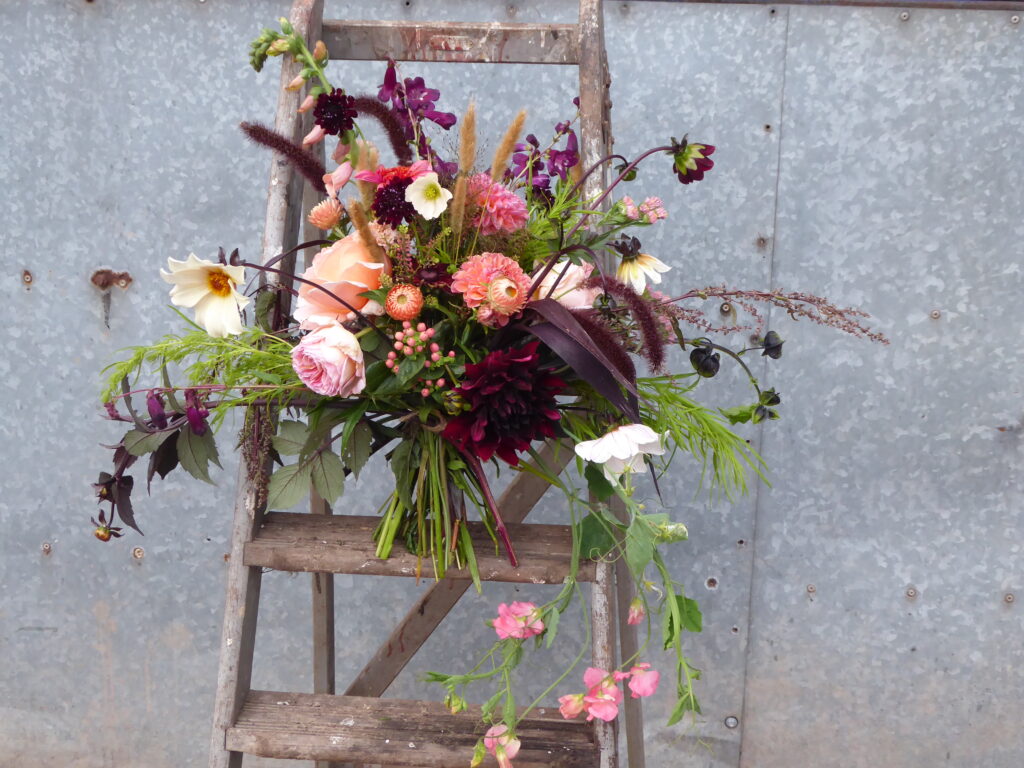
{"x":427,"y":196}
{"x":209,"y":288}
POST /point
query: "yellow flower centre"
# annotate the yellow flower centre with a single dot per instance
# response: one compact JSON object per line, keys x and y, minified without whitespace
{"x":431,"y":192}
{"x":219,"y":282}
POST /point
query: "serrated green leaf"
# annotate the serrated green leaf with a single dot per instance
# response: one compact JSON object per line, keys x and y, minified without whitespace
{"x":740,"y":414}
{"x":195,"y":452}
{"x":328,"y":475}
{"x":289,"y":485}
{"x":357,"y":449}
{"x":290,"y":438}
{"x":139,"y":442}
{"x":597,"y":483}
{"x":596,"y":540}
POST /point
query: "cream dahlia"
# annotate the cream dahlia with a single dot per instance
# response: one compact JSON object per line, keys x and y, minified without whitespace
{"x":209,"y":288}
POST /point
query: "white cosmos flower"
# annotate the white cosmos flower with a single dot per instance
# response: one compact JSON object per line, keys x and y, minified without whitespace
{"x":209,"y":288}
{"x":636,"y":270}
{"x":623,"y":449}
{"x":427,"y":196}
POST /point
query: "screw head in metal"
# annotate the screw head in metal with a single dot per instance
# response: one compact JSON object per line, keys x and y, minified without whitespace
{"x":911,"y":592}
{"x":1008,"y":597}
{"x":725,"y":308}
{"x":1015,"y":19}
{"x":711,"y":583}
{"x":935,"y":314}
{"x":731,"y":721}
{"x":904,"y":15}
{"x":138,"y":553}
{"x":47,"y":548}
{"x":811,"y":589}
{"x":26,"y":277}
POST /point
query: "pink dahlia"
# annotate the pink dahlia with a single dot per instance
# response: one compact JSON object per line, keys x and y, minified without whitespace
{"x":493,"y":284}
{"x":499,"y":210}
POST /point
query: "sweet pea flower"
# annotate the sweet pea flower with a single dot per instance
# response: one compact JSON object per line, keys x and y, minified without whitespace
{"x":623,"y":449}
{"x":636,"y":611}
{"x":502,"y":744}
{"x":570,"y":705}
{"x":603,"y":695}
{"x":643,"y":680}
{"x":519,"y":620}
{"x":330,"y":362}
{"x":209,"y":288}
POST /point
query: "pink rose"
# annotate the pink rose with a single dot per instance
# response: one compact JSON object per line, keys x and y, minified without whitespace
{"x":330,"y":362}
{"x":568,"y":292}
{"x":346,"y":269}
{"x":519,"y":620}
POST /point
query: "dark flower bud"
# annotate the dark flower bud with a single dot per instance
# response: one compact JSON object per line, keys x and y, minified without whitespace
{"x":104,"y":487}
{"x":705,"y":361}
{"x":155,"y":405}
{"x":772,"y":345}
{"x":621,"y":167}
{"x":195,"y":412}
{"x":770,"y":397}
{"x":763,"y":414}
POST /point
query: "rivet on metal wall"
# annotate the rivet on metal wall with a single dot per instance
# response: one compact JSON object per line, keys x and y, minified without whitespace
{"x":935,"y":314}
{"x":26,"y":278}
{"x":726,"y":308}
{"x":1015,"y":19}
{"x":138,"y":553}
{"x":904,"y":15}
{"x":735,"y":630}
{"x":911,"y":592}
{"x":47,"y":548}
{"x":762,"y":242}
{"x":1008,"y":597}
{"x":767,"y":128}
{"x":811,"y":589}
{"x":732,"y":721}
{"x":711,"y":583}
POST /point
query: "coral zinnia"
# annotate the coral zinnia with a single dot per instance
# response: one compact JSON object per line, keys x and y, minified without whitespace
{"x":494,"y":285}
{"x":511,"y":403}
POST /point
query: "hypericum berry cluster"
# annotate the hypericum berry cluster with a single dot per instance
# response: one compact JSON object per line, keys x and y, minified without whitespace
{"x":415,"y":341}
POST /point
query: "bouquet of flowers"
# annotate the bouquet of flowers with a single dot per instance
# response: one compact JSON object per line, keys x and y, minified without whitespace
{"x":454,"y":315}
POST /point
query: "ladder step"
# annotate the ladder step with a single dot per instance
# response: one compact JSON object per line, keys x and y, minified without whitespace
{"x":452,"y":41}
{"x":295,"y":541}
{"x":393,"y":732}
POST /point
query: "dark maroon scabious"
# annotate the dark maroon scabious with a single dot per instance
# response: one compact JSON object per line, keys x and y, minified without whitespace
{"x":511,"y":403}
{"x":390,"y":205}
{"x":335,"y":112}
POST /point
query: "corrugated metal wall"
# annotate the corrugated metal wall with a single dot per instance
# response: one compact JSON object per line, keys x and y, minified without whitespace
{"x":863,"y":607}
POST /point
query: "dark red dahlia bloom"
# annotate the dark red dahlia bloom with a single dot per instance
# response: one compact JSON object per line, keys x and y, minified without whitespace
{"x":511,"y":403}
{"x":390,"y":205}
{"x":335,"y":112}
{"x":691,"y":161}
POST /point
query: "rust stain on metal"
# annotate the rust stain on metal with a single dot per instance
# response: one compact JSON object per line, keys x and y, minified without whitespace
{"x":26,"y":278}
{"x":911,"y":592}
{"x":47,"y":548}
{"x":105,"y":279}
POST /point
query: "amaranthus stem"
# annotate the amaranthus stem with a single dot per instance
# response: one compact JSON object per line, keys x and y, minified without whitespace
{"x":492,"y":505}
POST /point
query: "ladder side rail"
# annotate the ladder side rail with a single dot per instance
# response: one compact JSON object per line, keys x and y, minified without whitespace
{"x":452,"y":42}
{"x":238,"y":636}
{"x":602,"y":617}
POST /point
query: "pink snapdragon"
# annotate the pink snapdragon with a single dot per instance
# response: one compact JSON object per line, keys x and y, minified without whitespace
{"x":519,"y":620}
{"x":502,"y":744}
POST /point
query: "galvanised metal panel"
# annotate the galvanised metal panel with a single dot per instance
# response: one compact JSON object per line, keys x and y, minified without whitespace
{"x":118,"y":155}
{"x":887,"y":556}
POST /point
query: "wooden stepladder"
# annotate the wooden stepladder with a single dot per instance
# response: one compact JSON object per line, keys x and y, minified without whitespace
{"x":359,"y":727}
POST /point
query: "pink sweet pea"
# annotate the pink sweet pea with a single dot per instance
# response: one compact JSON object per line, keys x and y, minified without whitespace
{"x":503,"y":745}
{"x":603,"y":695}
{"x":636,"y":611}
{"x":519,"y":620}
{"x":571,"y":705}
{"x":338,"y":179}
{"x":643,"y":680}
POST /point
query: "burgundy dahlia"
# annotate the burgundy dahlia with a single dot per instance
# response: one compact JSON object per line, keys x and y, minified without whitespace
{"x":511,"y":403}
{"x":335,"y":112}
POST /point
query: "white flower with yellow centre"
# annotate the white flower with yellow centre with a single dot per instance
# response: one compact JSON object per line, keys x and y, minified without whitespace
{"x":623,"y":449}
{"x":636,"y":270}
{"x":427,"y":196}
{"x":209,"y":288}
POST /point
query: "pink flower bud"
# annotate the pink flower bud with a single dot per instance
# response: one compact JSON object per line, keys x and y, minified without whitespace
{"x":398,"y":344}
{"x":434,"y":348}
{"x":421,"y":327}
{"x":406,"y":324}
{"x":636,"y":611}
{"x":315,"y":136}
{"x":296,"y":84}
{"x":307,"y":104}
{"x":399,"y":335}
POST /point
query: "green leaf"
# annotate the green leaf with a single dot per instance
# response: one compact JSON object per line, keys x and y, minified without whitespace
{"x":740,"y":414}
{"x":352,"y":420}
{"x":139,"y":442}
{"x":687,"y":702}
{"x":598,"y":484}
{"x":376,"y":374}
{"x":369,"y":341}
{"x":290,"y":438}
{"x":289,"y":485}
{"x":403,"y":465}
{"x":596,"y":540}
{"x":265,"y":302}
{"x":408,"y":369}
{"x":690,"y":619}
{"x":195,"y":452}
{"x":639,"y":546}
{"x":357,"y":449}
{"x":551,"y":627}
{"x":328,"y":475}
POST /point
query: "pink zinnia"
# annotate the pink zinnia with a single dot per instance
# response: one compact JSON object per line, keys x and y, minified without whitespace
{"x":519,"y":620}
{"x":493,"y":284}
{"x":499,"y":209}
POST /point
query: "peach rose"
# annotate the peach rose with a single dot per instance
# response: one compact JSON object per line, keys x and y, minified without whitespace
{"x":330,"y":362}
{"x":569,"y":292}
{"x":346,"y":269}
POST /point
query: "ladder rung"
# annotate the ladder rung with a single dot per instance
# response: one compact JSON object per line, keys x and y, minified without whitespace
{"x":306,"y":726}
{"x":295,"y":541}
{"x":480,"y":42}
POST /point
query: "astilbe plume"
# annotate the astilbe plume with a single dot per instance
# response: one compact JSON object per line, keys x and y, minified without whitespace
{"x":511,"y":403}
{"x":303,"y":161}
